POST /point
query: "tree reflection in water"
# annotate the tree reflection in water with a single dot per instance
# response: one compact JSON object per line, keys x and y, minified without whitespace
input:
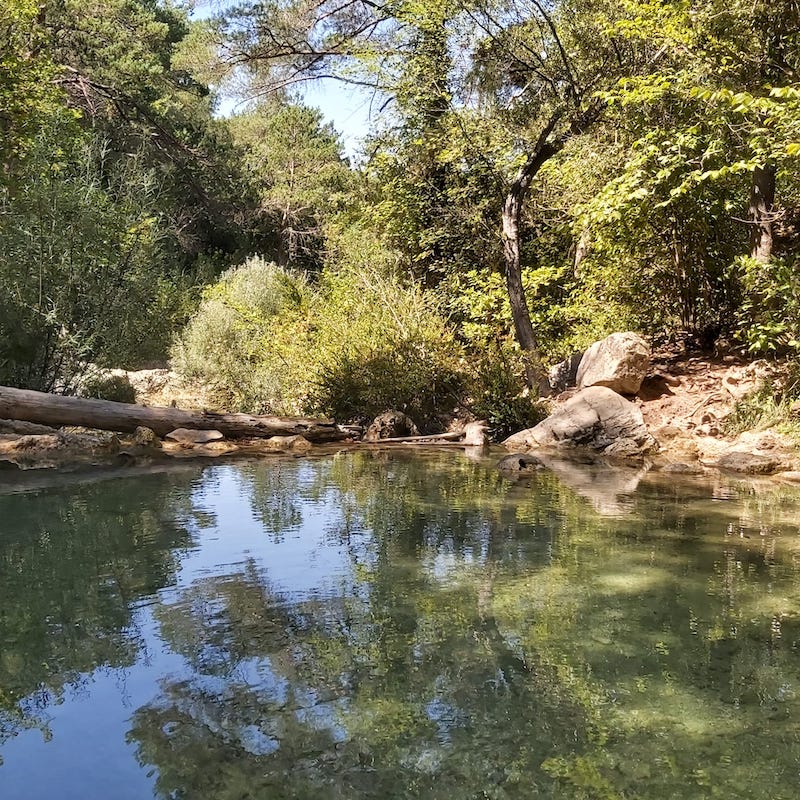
{"x":491,"y":640}
{"x":477,"y":638}
{"x":73,"y":566}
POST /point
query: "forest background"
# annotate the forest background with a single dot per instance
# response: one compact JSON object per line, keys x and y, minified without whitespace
{"x":542,"y":174}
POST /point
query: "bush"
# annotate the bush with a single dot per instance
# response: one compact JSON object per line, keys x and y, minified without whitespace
{"x":356,"y":344}
{"x":768,"y":406}
{"x":382,"y":344}
{"x":105,"y":386}
{"x":769,"y":318}
{"x":233,"y":341}
{"x":500,"y":395}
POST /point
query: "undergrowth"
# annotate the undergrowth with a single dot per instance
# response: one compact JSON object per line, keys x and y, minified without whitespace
{"x":769,"y":406}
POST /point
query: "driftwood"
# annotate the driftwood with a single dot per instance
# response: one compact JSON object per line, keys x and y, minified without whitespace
{"x":55,"y":410}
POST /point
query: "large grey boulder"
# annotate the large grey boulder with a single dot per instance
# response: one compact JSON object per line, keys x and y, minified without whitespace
{"x":619,"y":361}
{"x":596,"y":418}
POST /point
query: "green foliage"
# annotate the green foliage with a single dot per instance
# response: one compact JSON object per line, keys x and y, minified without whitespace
{"x":356,"y":344}
{"x":498,"y":393}
{"x":229,"y":342}
{"x":381,"y":344}
{"x":27,"y":93}
{"x":108,"y":387}
{"x":293,"y":160}
{"x":82,"y":275}
{"x":662,"y":249}
{"x":769,"y":318}
{"x":769,"y":406}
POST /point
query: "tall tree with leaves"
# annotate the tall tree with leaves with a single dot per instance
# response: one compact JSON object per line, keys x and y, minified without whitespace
{"x":293,"y":160}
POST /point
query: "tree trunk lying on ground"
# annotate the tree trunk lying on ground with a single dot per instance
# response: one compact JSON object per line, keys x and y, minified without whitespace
{"x":55,"y":410}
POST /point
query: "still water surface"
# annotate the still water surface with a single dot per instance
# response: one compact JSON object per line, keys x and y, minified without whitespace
{"x":377,"y":625}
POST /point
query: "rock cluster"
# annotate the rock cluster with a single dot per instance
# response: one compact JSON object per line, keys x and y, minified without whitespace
{"x":597,"y":417}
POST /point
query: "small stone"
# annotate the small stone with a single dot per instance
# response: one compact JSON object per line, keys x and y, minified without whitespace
{"x":296,"y":442}
{"x":189,"y":436}
{"x":23,"y":428}
{"x":792,"y":476}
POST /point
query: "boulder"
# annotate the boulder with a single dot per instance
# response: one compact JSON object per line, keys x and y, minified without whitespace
{"x":619,"y":361}
{"x":390,"y":425}
{"x":475,"y":434}
{"x":596,"y":418}
{"x":752,"y":463}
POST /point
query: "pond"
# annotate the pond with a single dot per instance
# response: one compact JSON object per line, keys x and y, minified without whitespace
{"x":393,"y":625}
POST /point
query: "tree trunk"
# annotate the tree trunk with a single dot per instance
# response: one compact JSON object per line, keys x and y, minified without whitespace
{"x":762,"y":199}
{"x":512,"y":218}
{"x":56,"y":410}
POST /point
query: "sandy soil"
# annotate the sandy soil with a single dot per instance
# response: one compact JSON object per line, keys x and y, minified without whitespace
{"x":686,"y":399}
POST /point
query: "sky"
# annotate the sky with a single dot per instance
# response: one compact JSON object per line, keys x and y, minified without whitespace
{"x":350,"y":109}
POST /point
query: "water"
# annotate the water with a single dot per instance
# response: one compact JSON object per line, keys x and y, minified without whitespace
{"x":378,"y":625}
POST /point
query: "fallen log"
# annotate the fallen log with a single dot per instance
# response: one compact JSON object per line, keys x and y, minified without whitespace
{"x":428,"y":438}
{"x":56,"y":410}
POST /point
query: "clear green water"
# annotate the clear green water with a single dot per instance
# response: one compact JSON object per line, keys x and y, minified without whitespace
{"x":381,"y":626}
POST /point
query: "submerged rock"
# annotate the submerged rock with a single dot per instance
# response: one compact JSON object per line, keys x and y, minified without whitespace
{"x":619,"y":361}
{"x":596,"y":418}
{"x":519,"y":464}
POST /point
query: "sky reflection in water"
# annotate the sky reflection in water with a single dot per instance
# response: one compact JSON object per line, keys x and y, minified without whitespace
{"x":379,"y":625}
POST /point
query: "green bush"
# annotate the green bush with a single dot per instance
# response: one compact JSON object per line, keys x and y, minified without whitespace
{"x":499,"y":394}
{"x":768,"y":406}
{"x":103,"y":386}
{"x":354,"y":345}
{"x":769,"y":318}
{"x":381,"y":344}
{"x":232,"y":343}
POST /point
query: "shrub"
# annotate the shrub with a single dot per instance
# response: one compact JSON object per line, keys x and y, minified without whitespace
{"x":499,"y":393}
{"x":769,"y":318}
{"x":382,"y":344}
{"x":105,"y":386}
{"x":356,"y":344}
{"x":232,"y":343}
{"x":768,"y":406}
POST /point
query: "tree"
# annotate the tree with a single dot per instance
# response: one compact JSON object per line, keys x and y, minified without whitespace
{"x":534,"y":69}
{"x":294,"y":161}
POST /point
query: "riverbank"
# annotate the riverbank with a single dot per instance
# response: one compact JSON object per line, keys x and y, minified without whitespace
{"x":686,"y":401}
